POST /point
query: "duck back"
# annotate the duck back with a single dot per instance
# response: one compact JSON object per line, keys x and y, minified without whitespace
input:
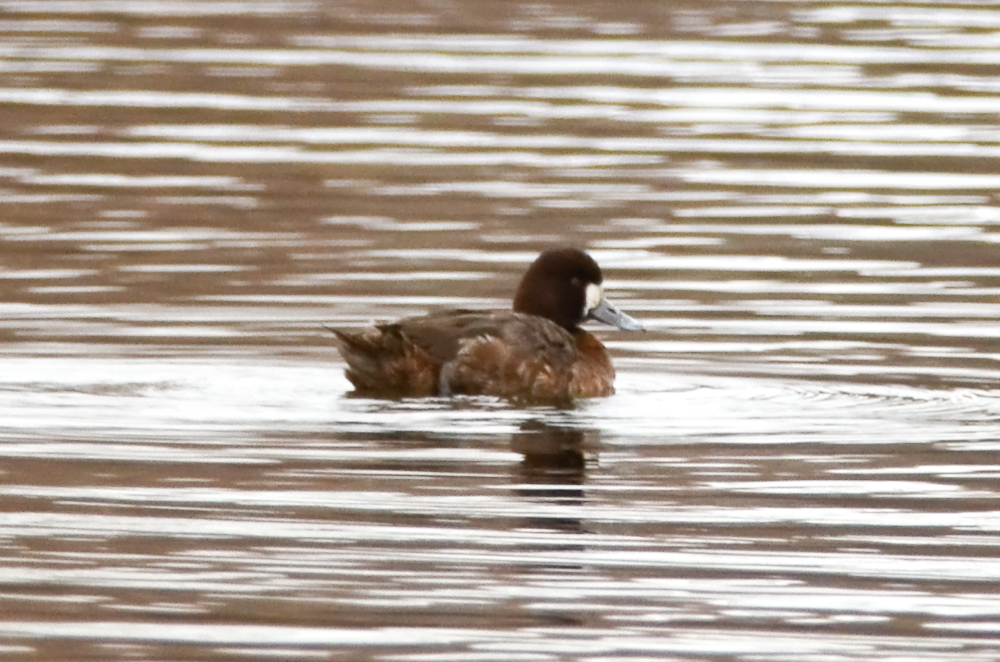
{"x":504,"y":354}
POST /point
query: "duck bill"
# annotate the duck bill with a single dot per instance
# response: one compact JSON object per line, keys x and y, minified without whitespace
{"x":607,"y":313}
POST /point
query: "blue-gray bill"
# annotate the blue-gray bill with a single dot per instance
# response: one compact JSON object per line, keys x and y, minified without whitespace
{"x":607,"y":313}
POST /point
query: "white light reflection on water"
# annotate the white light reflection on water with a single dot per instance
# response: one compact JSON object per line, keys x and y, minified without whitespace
{"x":827,"y":179}
{"x":252,"y":635}
{"x":602,"y":549}
{"x":169,"y":396}
{"x":190,"y":8}
{"x":277,"y":154}
{"x":126,"y":181}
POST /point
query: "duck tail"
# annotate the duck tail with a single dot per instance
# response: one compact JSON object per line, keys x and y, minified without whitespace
{"x":383,"y":360}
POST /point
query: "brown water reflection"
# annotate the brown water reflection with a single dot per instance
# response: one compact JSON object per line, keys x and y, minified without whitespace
{"x":798,"y":199}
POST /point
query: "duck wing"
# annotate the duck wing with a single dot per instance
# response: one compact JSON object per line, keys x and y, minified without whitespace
{"x":505,"y":354}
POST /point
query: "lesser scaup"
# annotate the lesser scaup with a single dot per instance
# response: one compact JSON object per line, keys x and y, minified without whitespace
{"x":536,"y":352}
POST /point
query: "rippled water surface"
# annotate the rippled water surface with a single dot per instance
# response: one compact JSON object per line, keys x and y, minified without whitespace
{"x":799,"y":200}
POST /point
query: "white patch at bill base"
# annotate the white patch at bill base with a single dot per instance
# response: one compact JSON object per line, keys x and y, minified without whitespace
{"x":595,"y":294}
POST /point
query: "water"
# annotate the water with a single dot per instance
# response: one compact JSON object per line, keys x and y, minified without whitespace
{"x":797,"y":199}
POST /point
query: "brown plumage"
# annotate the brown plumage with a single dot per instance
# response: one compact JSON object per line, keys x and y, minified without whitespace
{"x":535,"y":353}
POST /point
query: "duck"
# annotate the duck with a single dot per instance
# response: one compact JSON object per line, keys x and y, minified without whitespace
{"x":535,"y":352}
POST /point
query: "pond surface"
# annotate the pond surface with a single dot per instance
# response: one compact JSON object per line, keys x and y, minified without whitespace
{"x":798,"y":199}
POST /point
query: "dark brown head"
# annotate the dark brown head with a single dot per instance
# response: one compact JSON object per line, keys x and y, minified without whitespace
{"x":564,"y":285}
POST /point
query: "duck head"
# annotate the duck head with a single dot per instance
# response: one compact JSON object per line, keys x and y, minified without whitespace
{"x":565,"y":286}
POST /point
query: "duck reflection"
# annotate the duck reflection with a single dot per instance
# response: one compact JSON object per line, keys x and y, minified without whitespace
{"x":554,"y":469}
